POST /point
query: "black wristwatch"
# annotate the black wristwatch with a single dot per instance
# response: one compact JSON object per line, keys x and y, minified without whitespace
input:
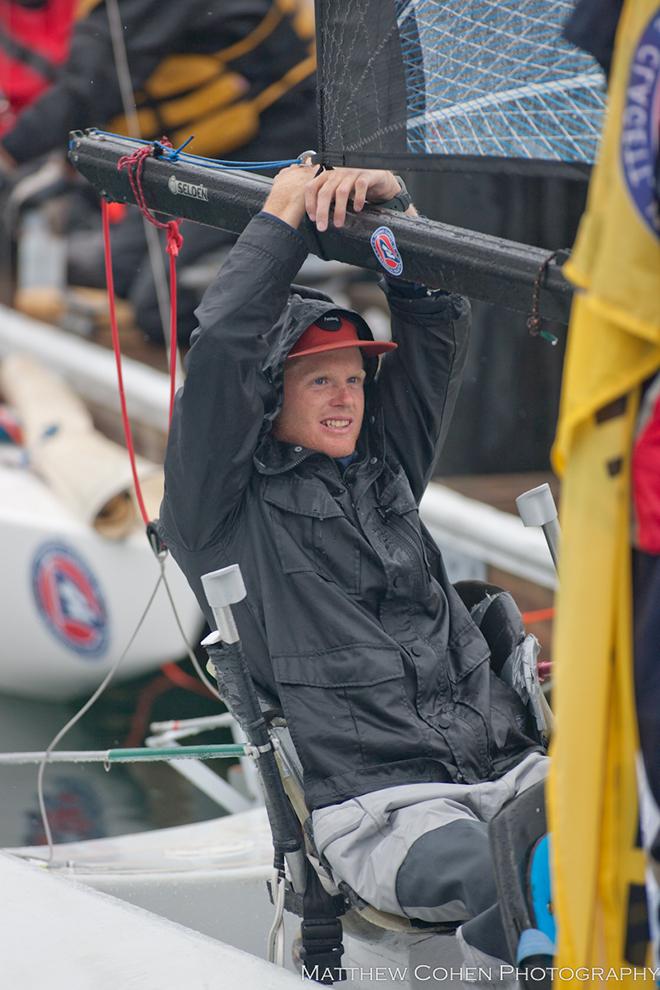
{"x":400,"y":202}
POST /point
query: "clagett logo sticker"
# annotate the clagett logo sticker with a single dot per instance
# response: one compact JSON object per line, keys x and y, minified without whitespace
{"x":385,"y":249}
{"x":69,"y":600}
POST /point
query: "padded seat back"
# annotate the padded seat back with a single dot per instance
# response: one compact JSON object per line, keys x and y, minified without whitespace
{"x":497,"y":615}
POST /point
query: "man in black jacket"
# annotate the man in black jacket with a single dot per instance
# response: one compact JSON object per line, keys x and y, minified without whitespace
{"x":293,"y":456}
{"x":239,"y":76}
{"x":212,"y":70}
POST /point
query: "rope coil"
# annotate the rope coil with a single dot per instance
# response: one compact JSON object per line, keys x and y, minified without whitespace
{"x":535,"y":319}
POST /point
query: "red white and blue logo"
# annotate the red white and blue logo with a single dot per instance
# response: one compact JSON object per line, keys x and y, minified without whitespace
{"x":385,"y":249}
{"x":69,"y":600}
{"x":75,"y":812}
{"x":640,"y":129}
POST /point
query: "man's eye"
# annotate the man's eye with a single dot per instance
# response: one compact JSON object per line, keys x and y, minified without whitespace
{"x":355,"y":380}
{"x":321,"y":380}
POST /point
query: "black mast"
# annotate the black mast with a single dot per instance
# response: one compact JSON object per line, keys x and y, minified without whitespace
{"x":437,"y":254}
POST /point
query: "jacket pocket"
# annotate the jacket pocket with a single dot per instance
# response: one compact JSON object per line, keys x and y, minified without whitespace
{"x":357,"y":665}
{"x":347,"y":710}
{"x":311,"y":532}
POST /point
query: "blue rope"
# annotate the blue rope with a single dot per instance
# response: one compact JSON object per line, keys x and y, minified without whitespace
{"x":177,"y":151}
{"x":175,"y":155}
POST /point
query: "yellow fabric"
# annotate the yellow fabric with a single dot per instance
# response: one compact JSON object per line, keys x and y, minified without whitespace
{"x":613,"y":346}
{"x":199,"y":94}
{"x":617,"y":256}
{"x":178,"y":74}
{"x":303,"y":16}
{"x":220,"y":120}
{"x":276,"y":90}
{"x":236,"y":125}
{"x":220,"y":93}
{"x":254,"y":38}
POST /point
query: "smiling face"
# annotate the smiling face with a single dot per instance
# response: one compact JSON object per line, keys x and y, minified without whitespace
{"x":323,"y":401}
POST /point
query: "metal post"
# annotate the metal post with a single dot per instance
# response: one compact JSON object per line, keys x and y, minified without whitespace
{"x":537,"y":508}
{"x":224,"y":588}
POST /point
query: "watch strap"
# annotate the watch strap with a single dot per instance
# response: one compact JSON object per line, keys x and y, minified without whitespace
{"x":400,"y":202}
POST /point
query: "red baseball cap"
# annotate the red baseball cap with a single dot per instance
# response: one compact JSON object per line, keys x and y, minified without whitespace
{"x":333,"y":332}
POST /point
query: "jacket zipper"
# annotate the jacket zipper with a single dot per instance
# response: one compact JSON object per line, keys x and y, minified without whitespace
{"x":408,"y":540}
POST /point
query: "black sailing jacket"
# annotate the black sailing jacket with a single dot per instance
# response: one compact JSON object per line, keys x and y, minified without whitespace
{"x":349,"y":618}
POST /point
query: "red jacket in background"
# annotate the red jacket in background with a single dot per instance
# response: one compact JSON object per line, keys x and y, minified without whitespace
{"x":33,"y":43}
{"x":646,"y":473}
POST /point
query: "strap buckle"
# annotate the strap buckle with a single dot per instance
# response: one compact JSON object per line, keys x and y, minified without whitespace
{"x":155,"y":542}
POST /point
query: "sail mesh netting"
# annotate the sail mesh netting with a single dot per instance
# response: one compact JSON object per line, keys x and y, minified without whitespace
{"x":435,"y":79}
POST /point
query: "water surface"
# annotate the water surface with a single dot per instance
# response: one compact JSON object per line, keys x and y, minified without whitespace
{"x":84,"y":801}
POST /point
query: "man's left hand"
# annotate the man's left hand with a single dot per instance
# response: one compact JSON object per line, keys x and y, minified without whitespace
{"x":335,"y":187}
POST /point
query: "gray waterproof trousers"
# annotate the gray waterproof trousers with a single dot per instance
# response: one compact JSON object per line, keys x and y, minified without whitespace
{"x":422,"y":850}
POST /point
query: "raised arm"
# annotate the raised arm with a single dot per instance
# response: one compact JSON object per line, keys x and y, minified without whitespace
{"x":420,"y":381}
{"x":219,"y":412}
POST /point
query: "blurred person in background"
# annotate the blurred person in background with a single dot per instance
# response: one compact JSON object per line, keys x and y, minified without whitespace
{"x":239,"y":76}
{"x":34,"y":42}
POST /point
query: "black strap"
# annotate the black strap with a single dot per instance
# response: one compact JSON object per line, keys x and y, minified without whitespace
{"x":155,"y":541}
{"x":322,"y":947}
{"x":34,"y":60}
{"x":400,"y":202}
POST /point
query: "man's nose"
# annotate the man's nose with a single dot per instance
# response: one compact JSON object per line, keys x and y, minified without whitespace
{"x":341,"y":395}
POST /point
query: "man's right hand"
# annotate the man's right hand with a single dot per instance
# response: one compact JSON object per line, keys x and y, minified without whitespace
{"x":301,"y":189}
{"x":286,"y":199}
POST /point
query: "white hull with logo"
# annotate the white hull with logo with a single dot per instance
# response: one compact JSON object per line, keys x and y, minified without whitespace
{"x":60,"y":641}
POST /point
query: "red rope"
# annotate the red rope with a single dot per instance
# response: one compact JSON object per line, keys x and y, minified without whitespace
{"x":134,"y":165}
{"x":142,"y":714}
{"x":185,"y":681}
{"x":174,"y":242}
{"x":540,"y":615}
{"x":170,"y":676}
{"x":128,"y":433}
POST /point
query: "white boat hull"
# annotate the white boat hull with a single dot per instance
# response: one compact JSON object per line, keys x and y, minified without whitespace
{"x":63,"y":936}
{"x":211,"y":877}
{"x":71,"y":599}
